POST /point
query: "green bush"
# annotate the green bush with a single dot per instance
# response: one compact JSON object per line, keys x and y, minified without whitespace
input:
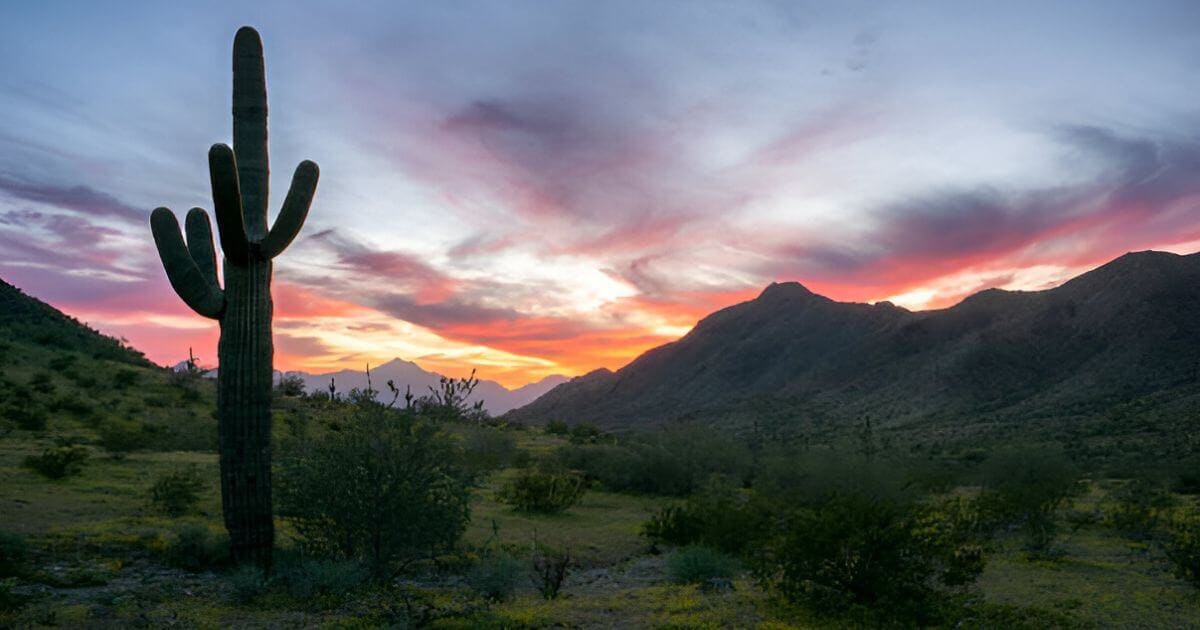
{"x":42,"y":383}
{"x":675,"y":462}
{"x":544,"y":492}
{"x":696,"y":564}
{"x":1183,"y":548}
{"x":24,"y":412}
{"x":58,"y":462}
{"x":195,"y":547}
{"x":305,"y":578}
{"x":386,"y":489}
{"x":719,"y":517}
{"x":177,"y":493}
{"x":862,"y":554}
{"x":1025,"y":487}
{"x":125,"y":378}
{"x":247,"y":582}
{"x":585,"y":433}
{"x":557,"y":427}
{"x":1137,"y":507}
{"x":487,"y":449}
{"x":119,"y":437}
{"x":10,"y":600}
{"x":14,"y":555}
{"x":550,"y":570}
{"x":496,"y":576}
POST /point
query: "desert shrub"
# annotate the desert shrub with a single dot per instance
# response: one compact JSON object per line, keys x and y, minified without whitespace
{"x":674,"y":462}
{"x":290,"y":385}
{"x":1137,"y":507}
{"x":584,"y":433}
{"x":304,"y":578}
{"x":546,"y":492}
{"x":862,"y":554}
{"x":73,"y":404}
{"x":23,"y":411}
{"x":195,"y":547}
{"x":177,"y":493}
{"x":695,"y":564}
{"x":496,"y":575}
{"x":1183,"y":548}
{"x":125,"y":378}
{"x":42,"y":383}
{"x":61,"y":362}
{"x":247,"y":582}
{"x":14,"y":554}
{"x":487,"y":449}
{"x":1024,"y":488}
{"x":10,"y":600}
{"x":720,"y":517}
{"x":550,"y":570}
{"x":557,"y":427}
{"x":386,"y":489}
{"x":58,"y":462}
{"x":120,"y":437}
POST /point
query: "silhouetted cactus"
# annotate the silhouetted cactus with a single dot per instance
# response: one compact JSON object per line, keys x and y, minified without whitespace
{"x":243,"y":308}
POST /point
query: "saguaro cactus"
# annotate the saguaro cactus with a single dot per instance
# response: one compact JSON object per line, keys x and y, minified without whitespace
{"x":243,"y":308}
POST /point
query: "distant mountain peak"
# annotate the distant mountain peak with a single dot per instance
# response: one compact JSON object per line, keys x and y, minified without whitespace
{"x":785,"y":289}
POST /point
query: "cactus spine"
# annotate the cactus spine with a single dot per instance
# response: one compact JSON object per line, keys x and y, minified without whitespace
{"x":243,"y":307}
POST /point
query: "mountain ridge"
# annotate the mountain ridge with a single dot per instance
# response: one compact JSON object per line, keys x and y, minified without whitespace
{"x":1123,"y":330}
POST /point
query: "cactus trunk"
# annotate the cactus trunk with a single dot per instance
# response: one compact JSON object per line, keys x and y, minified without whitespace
{"x":244,"y":411}
{"x":245,"y":352}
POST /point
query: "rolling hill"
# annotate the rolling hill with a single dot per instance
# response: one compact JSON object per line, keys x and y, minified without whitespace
{"x":1127,"y":332}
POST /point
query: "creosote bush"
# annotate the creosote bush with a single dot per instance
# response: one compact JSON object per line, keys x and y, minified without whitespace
{"x":1137,"y":506}
{"x":58,"y":462}
{"x":177,"y":493}
{"x":550,"y":570}
{"x":1024,"y":488}
{"x":386,"y":488}
{"x":675,"y":461}
{"x":696,"y":564}
{"x":120,"y":437}
{"x":195,"y":547}
{"x":496,"y":575}
{"x":1183,"y":548}
{"x":14,"y":555}
{"x":546,"y":492}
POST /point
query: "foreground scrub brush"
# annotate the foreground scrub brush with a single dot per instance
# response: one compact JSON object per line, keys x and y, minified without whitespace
{"x":243,"y":308}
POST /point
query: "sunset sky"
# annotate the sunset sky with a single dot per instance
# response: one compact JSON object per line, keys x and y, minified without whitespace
{"x":551,"y":187}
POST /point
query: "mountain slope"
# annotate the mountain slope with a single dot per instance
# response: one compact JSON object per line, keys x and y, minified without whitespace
{"x":496,"y":398}
{"x":27,"y":319}
{"x":1126,"y":330}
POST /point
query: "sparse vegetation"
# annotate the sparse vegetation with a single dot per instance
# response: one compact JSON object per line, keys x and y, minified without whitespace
{"x":546,"y":492}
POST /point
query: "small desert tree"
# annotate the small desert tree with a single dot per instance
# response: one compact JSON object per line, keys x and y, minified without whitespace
{"x":386,"y":488}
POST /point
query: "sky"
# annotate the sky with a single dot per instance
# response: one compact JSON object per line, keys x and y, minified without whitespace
{"x":536,"y":188}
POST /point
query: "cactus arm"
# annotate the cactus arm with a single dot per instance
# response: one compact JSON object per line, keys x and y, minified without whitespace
{"x":200,"y":244}
{"x":295,"y":209}
{"x":185,"y":277}
{"x":250,"y":129}
{"x":227,"y":200}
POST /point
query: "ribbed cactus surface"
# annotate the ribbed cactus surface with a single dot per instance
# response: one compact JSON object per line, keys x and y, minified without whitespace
{"x":243,"y":307}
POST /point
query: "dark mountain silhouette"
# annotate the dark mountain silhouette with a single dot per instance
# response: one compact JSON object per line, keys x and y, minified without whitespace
{"x":496,"y":398}
{"x":1128,"y":331}
{"x":29,"y":320}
